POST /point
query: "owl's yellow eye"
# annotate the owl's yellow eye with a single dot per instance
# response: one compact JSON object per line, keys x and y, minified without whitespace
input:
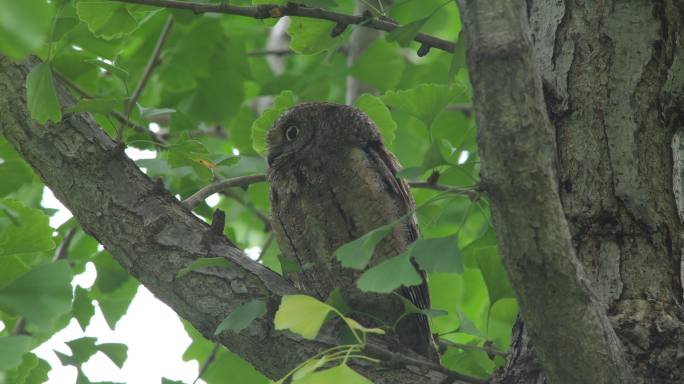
{"x":291,"y":132}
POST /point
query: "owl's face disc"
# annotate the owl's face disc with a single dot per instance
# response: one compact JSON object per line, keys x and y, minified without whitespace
{"x":317,"y":129}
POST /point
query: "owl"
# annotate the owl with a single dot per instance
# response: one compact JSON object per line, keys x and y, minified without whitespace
{"x":331,"y":181}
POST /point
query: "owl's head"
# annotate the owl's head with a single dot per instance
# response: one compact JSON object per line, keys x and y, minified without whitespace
{"x":327,"y":127}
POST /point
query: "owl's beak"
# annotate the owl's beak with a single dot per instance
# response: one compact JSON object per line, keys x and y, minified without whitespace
{"x":272,"y":155}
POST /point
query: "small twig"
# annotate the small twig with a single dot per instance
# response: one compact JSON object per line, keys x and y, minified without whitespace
{"x":207,"y":363}
{"x":466,"y":108}
{"x":217,"y":186}
{"x":151,"y":65}
{"x":264,"y":11}
{"x":115,"y":114}
{"x":489,"y":349}
{"x":269,"y":240}
{"x":274,"y":52}
{"x":63,"y":249}
{"x":472,"y":192}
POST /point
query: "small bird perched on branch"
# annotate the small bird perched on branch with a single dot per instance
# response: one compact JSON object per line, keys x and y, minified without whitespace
{"x":331,"y":181}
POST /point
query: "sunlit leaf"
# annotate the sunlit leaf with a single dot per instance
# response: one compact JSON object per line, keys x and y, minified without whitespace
{"x":301,"y":314}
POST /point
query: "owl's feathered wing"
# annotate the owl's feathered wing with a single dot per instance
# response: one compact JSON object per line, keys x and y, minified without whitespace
{"x":419,"y":295}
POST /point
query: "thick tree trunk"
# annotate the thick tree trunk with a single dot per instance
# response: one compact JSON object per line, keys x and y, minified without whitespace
{"x":613,"y":82}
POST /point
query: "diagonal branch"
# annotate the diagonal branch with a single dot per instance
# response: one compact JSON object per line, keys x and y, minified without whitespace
{"x":153,"y":236}
{"x":265,"y":11}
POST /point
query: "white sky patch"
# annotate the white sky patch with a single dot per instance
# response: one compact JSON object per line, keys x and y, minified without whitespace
{"x":2,"y":161}
{"x":253,"y":252}
{"x":140,"y":154}
{"x":50,"y":201}
{"x":154,"y":127}
{"x":236,"y":152}
{"x":150,"y":328}
{"x":2,"y":326}
{"x":213,"y":200}
{"x":463,"y":157}
{"x":76,"y":48}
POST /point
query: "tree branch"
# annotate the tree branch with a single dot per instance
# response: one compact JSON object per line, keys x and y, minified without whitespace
{"x":265,"y":11}
{"x":153,"y":236}
{"x":518,"y":157}
{"x":243,"y":181}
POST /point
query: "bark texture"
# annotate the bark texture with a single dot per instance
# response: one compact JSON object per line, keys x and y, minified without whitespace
{"x":153,"y":236}
{"x":613,"y":88}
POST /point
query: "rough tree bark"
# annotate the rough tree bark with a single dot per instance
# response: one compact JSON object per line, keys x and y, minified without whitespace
{"x":604,"y":239}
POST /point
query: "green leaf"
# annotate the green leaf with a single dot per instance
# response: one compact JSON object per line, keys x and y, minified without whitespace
{"x":83,"y":309}
{"x":339,"y":374}
{"x":494,"y":274}
{"x":110,"y":275}
{"x":242,"y":316}
{"x":82,"y":349}
{"x":41,"y":295}
{"x":111,"y":68}
{"x":433,"y":156}
{"x":34,"y":234}
{"x":24,"y":26}
{"x":203,"y":263}
{"x":458,"y":59}
{"x":438,"y":255}
{"x":115,"y":304}
{"x":423,"y":102}
{"x":263,"y":123}
{"x":381,"y":116}
{"x":195,"y":50}
{"x":301,"y":314}
{"x":105,"y":19}
{"x":117,"y":353}
{"x":380,"y":66}
{"x":103,"y":106}
{"x":12,"y":348}
{"x":467,"y":326}
{"x":240,"y":130}
{"x":41,"y":98}
{"x":32,"y":370}
{"x":14,"y":172}
{"x":404,"y":35}
{"x":390,"y":275}
{"x":310,"y":36}
{"x":357,"y":253}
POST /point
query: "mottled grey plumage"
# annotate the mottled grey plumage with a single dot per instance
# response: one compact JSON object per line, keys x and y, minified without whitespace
{"x":331,"y":181}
